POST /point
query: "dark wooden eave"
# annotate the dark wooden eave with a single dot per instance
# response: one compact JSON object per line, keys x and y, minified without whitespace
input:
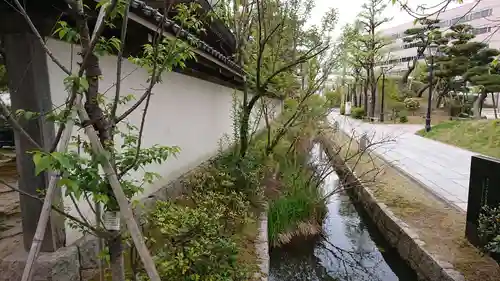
{"x":217,"y":34}
{"x":212,"y":63}
{"x":209,"y":61}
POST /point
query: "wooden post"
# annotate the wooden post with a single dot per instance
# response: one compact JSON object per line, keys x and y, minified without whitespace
{"x":26,"y":65}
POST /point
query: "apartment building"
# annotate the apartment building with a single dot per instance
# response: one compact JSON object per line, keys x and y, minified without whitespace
{"x":482,"y":15}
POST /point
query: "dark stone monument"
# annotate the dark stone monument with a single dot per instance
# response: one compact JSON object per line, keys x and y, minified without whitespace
{"x":484,"y":190}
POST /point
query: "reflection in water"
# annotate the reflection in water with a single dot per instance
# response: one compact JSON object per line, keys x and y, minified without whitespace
{"x":350,"y":250}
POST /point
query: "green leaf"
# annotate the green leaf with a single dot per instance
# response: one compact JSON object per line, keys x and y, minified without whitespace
{"x":62,"y":159}
{"x":42,"y":163}
{"x":62,"y":33}
{"x":84,"y":83}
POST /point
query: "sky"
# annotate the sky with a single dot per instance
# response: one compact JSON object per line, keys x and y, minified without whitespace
{"x":348,"y":10}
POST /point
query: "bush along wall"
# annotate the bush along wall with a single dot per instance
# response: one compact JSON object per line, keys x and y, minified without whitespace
{"x":209,"y":232}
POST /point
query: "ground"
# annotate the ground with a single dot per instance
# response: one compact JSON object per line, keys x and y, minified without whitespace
{"x":10,"y":218}
{"x":482,"y":136}
{"x":443,"y":169}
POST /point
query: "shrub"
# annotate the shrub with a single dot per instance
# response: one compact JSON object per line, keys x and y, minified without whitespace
{"x":357,"y":112}
{"x":342,"y":109}
{"x":403,"y":119}
{"x":416,"y":86}
{"x":489,"y":229}
{"x":411,"y":104}
{"x":334,"y":97}
{"x":195,"y":243}
{"x":459,"y":108}
{"x":406,"y":93}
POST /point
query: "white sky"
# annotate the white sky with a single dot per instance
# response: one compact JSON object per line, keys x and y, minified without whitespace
{"x":349,"y":9}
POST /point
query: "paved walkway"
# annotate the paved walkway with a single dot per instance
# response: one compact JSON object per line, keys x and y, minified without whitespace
{"x":442,"y":168}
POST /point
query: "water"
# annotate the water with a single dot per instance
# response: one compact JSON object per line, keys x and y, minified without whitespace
{"x":351,"y":249}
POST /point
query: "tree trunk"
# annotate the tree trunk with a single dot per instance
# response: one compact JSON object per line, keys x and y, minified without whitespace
{"x":365,"y":95}
{"x":422,"y":90}
{"x":481,"y":103}
{"x":373,"y":93}
{"x":494,"y":105}
{"x":408,"y":72}
{"x":439,"y":100}
{"x":354,"y":94}
{"x":478,"y":105}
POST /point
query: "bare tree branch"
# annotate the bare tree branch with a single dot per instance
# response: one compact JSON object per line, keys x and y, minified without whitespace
{"x":119,"y":61}
{"x":42,"y":42}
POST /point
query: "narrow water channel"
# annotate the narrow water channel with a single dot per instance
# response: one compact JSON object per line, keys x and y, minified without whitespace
{"x":351,"y":248}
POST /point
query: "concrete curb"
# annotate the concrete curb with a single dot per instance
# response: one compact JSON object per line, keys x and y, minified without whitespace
{"x":262,"y":248}
{"x":399,"y":235}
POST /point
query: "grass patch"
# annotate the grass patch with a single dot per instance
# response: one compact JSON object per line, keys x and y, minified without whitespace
{"x":482,"y":136}
{"x":297,"y":207}
{"x":441,"y":227}
{"x":298,"y":211}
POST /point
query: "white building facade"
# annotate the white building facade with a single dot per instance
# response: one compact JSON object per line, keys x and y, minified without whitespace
{"x":482,"y":15}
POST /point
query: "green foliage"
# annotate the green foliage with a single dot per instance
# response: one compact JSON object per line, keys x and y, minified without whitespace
{"x":195,"y":242}
{"x":342,"y":109}
{"x":489,"y":229}
{"x":300,"y":201}
{"x":4,"y":80}
{"x":171,"y":53}
{"x":459,"y":108}
{"x":335,"y":97}
{"x":403,"y":119}
{"x":411,"y":104}
{"x":480,"y":136}
{"x":66,"y":32}
{"x":107,"y":46}
{"x":82,"y":176}
{"x":358,"y":112}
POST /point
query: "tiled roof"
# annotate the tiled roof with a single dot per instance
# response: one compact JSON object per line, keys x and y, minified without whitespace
{"x":154,"y":14}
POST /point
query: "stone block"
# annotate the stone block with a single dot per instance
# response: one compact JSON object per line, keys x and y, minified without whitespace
{"x":415,"y":254}
{"x":430,"y":266}
{"x":62,"y":265}
{"x":88,"y":249}
{"x":404,"y":247}
{"x":89,"y":274}
{"x":452,"y":275}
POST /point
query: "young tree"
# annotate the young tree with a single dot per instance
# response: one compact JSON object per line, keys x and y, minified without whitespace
{"x":274,"y":45}
{"x":372,"y":43}
{"x":81,"y":173}
{"x":419,"y":36}
{"x":462,"y":61}
{"x":485,"y":75}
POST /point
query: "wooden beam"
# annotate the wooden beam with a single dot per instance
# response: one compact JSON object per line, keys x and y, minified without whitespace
{"x":26,"y":64}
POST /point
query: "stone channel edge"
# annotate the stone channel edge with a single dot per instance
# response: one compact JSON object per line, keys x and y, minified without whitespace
{"x":399,"y":234}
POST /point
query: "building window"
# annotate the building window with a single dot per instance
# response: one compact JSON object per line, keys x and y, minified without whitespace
{"x":481,"y":30}
{"x":486,"y":13}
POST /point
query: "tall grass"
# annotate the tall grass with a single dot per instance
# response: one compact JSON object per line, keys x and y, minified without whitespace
{"x":300,"y":207}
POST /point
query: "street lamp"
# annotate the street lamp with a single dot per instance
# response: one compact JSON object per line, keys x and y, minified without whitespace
{"x":383,"y":69}
{"x":432,"y":49}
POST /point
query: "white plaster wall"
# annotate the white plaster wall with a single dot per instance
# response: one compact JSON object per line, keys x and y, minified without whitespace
{"x":184,"y":111}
